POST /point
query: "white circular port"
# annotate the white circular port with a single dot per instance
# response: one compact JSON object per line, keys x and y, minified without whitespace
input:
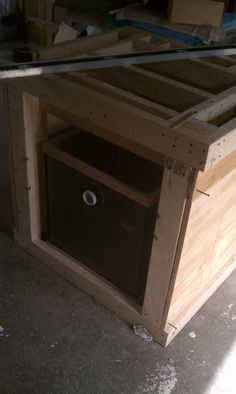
{"x":89,"y":198}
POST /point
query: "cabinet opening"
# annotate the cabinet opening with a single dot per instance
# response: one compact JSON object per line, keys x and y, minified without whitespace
{"x":101,"y":206}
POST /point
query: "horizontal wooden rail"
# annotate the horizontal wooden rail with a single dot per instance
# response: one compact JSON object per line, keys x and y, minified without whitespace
{"x":121,"y":187}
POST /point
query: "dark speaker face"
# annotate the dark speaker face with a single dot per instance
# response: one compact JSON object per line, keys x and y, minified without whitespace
{"x":105,"y":230}
{"x":112,"y":237}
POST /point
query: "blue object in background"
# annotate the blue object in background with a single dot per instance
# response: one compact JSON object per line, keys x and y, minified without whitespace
{"x":157,"y":29}
{"x":228,"y":22}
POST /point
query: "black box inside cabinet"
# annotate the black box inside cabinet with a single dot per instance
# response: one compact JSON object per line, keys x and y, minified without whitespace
{"x":101,"y":205}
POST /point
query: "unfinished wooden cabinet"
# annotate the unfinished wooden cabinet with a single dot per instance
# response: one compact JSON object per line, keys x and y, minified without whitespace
{"x":124,"y":180}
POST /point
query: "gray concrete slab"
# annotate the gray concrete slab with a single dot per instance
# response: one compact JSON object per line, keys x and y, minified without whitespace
{"x":58,"y":340}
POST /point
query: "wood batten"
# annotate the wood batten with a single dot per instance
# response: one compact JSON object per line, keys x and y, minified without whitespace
{"x":146,"y":84}
{"x":136,"y":195}
{"x":120,"y":94}
{"x":24,"y":112}
{"x":176,"y":182}
{"x":196,"y":73}
{"x":77,"y":47}
{"x":93,"y":109}
{"x":209,"y":247}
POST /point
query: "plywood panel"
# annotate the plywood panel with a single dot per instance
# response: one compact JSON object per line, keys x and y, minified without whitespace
{"x":195,"y":73}
{"x":210,"y":242}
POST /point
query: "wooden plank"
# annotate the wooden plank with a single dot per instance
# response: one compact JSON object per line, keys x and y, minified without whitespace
{"x":19,"y":162}
{"x":223,"y":61}
{"x":210,"y":178}
{"x":151,"y":86}
{"x":213,"y":107}
{"x":217,"y":105}
{"x":91,"y":283}
{"x":181,"y":86}
{"x":78,"y":46}
{"x":212,"y":149}
{"x":210,"y":239}
{"x":122,"y":46}
{"x":49,"y":19}
{"x":120,"y":94}
{"x":52,"y":124}
{"x":106,"y":42}
{"x":95,"y":110}
{"x":200,"y":74}
{"x":42,"y":24}
{"x":11,"y":161}
{"x":223,"y":137}
{"x":178,"y":253}
{"x":109,"y":135}
{"x":96,"y":287}
{"x":224,"y":145}
{"x":41,"y":14}
{"x":24,"y":122}
{"x":31,"y":8}
{"x":173,"y":198}
{"x":170,"y":330}
{"x":141,"y":45}
{"x":85,"y":45}
{"x":117,"y":185}
{"x":39,"y":17}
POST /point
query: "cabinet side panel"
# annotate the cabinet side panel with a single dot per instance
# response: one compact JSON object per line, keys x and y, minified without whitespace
{"x":210,"y":243}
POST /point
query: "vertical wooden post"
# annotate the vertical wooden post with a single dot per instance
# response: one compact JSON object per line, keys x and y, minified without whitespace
{"x":42,"y":34}
{"x":49,"y":18}
{"x":25,"y":132}
{"x":45,"y":12}
{"x":174,"y":193}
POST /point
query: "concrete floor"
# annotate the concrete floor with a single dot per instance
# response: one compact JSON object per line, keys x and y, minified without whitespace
{"x":57,"y":340}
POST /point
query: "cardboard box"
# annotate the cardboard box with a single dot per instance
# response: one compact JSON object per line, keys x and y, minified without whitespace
{"x":196,"y":12}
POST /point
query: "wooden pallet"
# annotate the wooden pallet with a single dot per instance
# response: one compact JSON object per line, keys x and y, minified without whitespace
{"x":180,"y":115}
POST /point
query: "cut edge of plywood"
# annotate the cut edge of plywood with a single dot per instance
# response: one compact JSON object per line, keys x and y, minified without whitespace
{"x":209,"y":244}
{"x":172,"y":329}
{"x":65,"y":33}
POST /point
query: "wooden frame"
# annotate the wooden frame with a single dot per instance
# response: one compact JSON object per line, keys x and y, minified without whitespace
{"x":38,"y":17}
{"x":195,"y":141}
{"x":121,"y":187}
